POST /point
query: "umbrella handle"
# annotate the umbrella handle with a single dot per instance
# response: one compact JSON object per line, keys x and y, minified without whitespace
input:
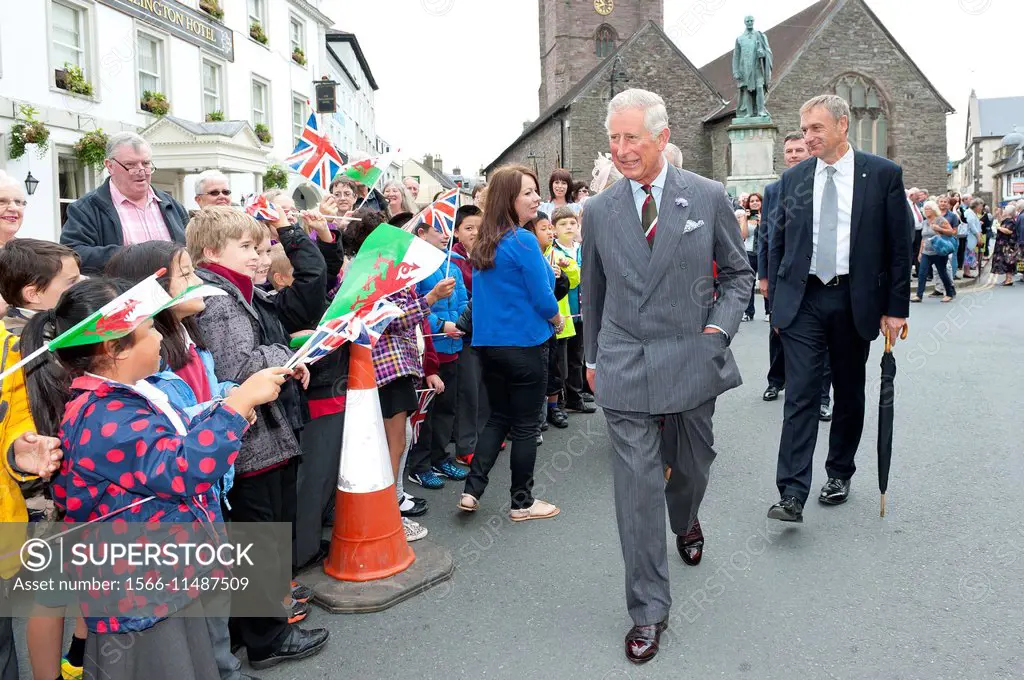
{"x":903,"y":336}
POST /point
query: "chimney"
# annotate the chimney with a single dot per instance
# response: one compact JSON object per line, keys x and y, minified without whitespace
{"x":428,"y":162}
{"x":438,"y":164}
{"x":456,"y":170}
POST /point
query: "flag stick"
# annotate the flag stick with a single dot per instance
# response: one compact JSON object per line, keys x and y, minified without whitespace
{"x":24,"y":360}
{"x":451,"y":236}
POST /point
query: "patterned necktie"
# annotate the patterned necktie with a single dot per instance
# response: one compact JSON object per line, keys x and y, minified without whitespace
{"x":649,"y":216}
{"x":828,"y":226}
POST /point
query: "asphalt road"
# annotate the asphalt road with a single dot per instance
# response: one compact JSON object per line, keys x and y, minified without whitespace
{"x":932,"y":591}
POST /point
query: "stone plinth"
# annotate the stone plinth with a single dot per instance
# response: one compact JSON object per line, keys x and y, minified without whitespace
{"x":752,"y":146}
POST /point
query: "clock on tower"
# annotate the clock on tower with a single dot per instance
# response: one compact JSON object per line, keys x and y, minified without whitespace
{"x":604,"y":7}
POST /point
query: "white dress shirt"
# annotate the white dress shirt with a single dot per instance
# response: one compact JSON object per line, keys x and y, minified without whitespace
{"x":657,"y":189}
{"x":843,"y":179}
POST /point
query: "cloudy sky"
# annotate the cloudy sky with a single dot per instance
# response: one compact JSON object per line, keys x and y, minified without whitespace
{"x":459,"y":77}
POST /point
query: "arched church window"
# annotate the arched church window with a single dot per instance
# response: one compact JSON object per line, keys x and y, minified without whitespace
{"x":869,"y":123}
{"x":604,"y":41}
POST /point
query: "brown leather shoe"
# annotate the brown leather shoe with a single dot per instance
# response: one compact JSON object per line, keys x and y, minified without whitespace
{"x":691,"y":545}
{"x":642,"y":642}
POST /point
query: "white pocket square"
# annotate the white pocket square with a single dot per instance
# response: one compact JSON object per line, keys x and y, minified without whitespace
{"x":691,"y":225}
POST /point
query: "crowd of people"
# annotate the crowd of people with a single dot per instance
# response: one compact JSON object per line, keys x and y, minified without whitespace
{"x":501,"y":370}
{"x":498,"y":335}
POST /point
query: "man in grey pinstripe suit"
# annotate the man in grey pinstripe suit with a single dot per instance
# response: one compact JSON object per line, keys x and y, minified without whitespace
{"x":657,"y":342}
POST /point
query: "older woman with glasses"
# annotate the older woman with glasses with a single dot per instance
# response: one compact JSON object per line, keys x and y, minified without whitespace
{"x":125,"y":209}
{"x":212,"y":189}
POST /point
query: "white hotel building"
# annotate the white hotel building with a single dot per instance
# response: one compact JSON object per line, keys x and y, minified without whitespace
{"x":200,"y":63}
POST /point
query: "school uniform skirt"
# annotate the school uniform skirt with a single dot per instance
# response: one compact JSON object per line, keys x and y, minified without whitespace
{"x":177,"y":648}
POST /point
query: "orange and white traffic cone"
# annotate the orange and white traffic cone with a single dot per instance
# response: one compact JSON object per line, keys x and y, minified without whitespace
{"x":368,"y":541}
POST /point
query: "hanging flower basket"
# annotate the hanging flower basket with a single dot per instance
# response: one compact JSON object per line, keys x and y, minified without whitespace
{"x":275,"y":178}
{"x":91,"y":149}
{"x":26,"y":131}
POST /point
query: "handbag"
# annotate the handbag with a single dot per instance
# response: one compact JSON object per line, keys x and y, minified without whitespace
{"x":944,"y":245}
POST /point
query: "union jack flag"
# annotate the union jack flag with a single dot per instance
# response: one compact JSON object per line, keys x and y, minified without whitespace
{"x":315,"y":157}
{"x":417,"y":417}
{"x":262,"y":209}
{"x":361,"y":327}
{"x":441,"y":213}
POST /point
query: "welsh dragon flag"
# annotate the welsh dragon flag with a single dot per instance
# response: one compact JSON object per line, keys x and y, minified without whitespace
{"x":366,"y":171}
{"x":390,"y":260}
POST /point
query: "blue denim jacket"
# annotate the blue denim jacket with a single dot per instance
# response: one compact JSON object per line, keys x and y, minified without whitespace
{"x":182,"y":396}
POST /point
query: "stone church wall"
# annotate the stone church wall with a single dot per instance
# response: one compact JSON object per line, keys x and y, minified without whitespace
{"x":852,"y":42}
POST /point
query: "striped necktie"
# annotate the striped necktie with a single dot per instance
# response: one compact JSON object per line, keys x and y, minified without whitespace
{"x":649,"y":216}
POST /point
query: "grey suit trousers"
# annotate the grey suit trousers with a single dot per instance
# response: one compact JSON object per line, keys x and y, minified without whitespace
{"x":641,"y":448}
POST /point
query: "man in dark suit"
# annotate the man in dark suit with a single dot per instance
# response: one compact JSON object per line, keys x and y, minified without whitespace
{"x":794,"y":151}
{"x":840,"y":258}
{"x":125,"y":209}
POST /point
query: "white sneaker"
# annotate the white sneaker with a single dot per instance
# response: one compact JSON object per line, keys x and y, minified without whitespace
{"x":414,"y":531}
{"x":768,"y":318}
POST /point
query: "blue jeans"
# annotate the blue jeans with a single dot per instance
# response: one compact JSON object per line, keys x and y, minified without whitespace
{"x":940,"y":264}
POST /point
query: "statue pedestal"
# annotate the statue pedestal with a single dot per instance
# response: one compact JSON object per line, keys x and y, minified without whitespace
{"x":752,"y":152}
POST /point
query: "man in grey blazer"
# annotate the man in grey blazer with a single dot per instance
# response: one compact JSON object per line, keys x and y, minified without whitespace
{"x":660,"y":342}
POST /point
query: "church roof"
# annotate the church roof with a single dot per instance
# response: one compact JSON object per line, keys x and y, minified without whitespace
{"x":587,"y":81}
{"x":1000,"y":116}
{"x":788,"y":39}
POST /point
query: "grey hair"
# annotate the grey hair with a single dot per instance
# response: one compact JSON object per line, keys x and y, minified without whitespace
{"x":975,"y":203}
{"x":834,"y":104}
{"x":934,"y":206}
{"x":1019,"y":204}
{"x":120,"y":139}
{"x":209,"y":176}
{"x":653,"y":106}
{"x":408,"y":205}
{"x":674,"y":155}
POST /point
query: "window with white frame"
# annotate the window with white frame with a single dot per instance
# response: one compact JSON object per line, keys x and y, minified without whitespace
{"x":297,"y":33}
{"x":258,"y":13}
{"x":68,"y":35}
{"x":212,"y":87}
{"x":298,"y":118}
{"x":150,"y":54}
{"x":260,"y":102}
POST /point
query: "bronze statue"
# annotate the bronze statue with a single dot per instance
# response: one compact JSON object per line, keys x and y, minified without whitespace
{"x":752,"y":70}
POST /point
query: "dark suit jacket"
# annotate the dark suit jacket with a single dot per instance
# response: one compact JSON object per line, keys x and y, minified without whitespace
{"x":769,"y":203}
{"x":94,"y":230}
{"x":881,"y":234}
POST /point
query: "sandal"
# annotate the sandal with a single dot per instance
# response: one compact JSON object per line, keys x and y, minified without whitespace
{"x":539,"y":510}
{"x":468,"y":503}
{"x":947,"y":299}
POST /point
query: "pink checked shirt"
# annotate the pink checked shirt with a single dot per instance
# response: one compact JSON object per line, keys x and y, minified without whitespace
{"x":139,"y":225}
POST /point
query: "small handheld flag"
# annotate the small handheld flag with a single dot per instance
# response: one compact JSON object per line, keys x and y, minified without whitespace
{"x":315,"y":157}
{"x":262,"y":209}
{"x":417,"y":417}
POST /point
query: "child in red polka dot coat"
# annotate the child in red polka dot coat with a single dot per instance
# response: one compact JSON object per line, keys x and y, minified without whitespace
{"x":132,"y":456}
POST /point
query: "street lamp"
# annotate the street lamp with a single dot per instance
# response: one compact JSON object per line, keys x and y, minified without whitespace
{"x":30,"y":184}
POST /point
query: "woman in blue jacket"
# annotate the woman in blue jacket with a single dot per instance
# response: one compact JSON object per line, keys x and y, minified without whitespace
{"x":514,"y":313}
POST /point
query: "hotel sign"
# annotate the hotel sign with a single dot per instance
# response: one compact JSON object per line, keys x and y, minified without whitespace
{"x":188,"y":24}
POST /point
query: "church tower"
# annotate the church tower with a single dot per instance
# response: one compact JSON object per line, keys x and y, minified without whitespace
{"x":576,"y":35}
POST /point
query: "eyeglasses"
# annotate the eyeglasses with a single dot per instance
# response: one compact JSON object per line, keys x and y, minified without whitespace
{"x":219,"y":192}
{"x":8,"y":202}
{"x":145,"y":167}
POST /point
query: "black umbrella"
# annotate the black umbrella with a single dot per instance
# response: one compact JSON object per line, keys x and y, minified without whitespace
{"x":886,"y":397}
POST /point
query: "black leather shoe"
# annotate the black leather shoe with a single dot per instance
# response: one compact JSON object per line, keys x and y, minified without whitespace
{"x":558,"y":418}
{"x":691,"y":545}
{"x":835,"y":491}
{"x":825,"y":413}
{"x":419,"y":507}
{"x":789,"y":509}
{"x":772,"y":393}
{"x":587,"y":397}
{"x":581,"y":407}
{"x":642,"y":642}
{"x":299,"y":644}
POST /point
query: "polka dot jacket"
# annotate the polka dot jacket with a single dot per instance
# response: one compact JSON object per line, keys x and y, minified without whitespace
{"x":120,"y":450}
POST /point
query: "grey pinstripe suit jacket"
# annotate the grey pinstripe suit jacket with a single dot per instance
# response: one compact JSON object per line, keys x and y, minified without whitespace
{"x":645,"y":311}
